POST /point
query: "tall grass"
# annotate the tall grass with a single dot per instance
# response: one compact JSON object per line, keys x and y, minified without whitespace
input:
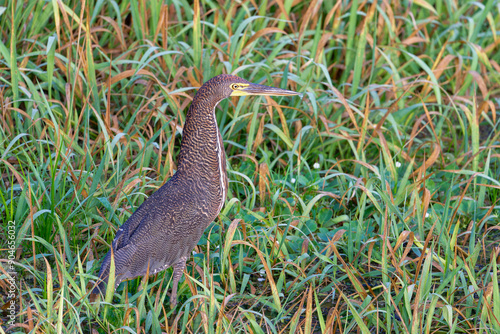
{"x":370,"y":205}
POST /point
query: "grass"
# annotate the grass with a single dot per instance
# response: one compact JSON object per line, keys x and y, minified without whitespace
{"x":370,"y":205}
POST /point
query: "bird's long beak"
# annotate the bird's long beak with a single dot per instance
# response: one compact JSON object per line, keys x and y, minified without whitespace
{"x":255,"y":89}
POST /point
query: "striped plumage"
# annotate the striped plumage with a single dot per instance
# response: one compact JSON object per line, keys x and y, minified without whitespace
{"x":163,"y":231}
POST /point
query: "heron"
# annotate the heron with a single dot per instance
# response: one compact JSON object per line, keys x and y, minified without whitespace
{"x":166,"y":227}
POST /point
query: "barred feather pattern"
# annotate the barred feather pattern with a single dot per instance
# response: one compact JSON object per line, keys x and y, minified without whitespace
{"x":163,"y":231}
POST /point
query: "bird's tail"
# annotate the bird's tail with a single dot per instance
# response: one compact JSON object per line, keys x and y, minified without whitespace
{"x":100,"y":288}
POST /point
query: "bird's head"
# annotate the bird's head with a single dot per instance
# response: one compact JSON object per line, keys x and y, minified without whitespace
{"x":226,"y":85}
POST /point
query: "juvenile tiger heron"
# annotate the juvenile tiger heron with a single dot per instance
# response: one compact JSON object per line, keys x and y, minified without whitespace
{"x":163,"y":231}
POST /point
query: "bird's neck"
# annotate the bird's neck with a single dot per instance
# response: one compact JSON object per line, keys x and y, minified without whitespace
{"x":202,"y":160}
{"x":201,"y":146}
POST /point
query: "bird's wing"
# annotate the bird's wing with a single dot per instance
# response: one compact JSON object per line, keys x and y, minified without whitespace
{"x":137,"y":220}
{"x":163,"y":229}
{"x":155,"y":244}
{"x":127,"y":230}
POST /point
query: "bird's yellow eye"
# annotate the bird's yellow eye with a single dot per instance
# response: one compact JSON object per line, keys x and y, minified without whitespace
{"x":235,"y":86}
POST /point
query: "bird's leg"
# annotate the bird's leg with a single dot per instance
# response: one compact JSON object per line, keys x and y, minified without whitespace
{"x":178,"y":270}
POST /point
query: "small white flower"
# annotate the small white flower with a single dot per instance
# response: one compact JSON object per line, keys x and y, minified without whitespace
{"x":398,"y":164}
{"x":316,"y":165}
{"x":427,"y":215}
{"x":260,"y":279}
{"x":293,"y":180}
